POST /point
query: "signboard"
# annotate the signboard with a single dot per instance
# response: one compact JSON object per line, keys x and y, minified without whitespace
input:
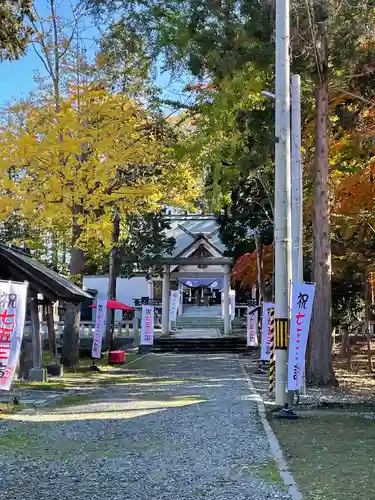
{"x":302,"y":304}
{"x":173,"y":305}
{"x":101,"y":313}
{"x":232,"y":304}
{"x":252,"y":327}
{"x":12,"y":320}
{"x":266,"y":331}
{"x":147,"y":331}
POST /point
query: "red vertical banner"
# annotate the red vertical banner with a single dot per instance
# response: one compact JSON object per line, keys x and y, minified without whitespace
{"x":12,"y":320}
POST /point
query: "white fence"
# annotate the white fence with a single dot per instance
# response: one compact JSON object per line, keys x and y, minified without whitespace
{"x":122,"y":329}
{"x":86,"y":329}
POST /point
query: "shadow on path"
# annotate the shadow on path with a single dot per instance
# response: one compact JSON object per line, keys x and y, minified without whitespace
{"x":188,"y":429}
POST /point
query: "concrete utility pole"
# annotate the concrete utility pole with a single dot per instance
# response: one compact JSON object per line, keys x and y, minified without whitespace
{"x":283,"y":254}
{"x":297,"y":193}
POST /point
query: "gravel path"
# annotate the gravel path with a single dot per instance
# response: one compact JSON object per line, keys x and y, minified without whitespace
{"x":190,"y":432}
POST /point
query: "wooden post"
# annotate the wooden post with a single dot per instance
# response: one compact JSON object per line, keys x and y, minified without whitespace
{"x":367,"y":325}
{"x":51,"y":331}
{"x":35,"y":329}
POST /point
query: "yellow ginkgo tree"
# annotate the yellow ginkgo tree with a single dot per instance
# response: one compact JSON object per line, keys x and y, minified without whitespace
{"x":101,"y":152}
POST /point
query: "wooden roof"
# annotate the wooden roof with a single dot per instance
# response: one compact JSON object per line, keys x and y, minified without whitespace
{"x":19,"y":266}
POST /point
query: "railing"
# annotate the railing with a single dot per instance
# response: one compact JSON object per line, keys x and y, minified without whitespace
{"x":153,"y":302}
{"x":86,"y":329}
{"x":240,"y":310}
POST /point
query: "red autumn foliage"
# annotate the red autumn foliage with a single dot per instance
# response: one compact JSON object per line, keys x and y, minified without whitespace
{"x":246,"y":271}
{"x":355,"y":192}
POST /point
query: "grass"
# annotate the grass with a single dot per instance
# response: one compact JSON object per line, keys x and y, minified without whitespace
{"x":81,"y":376}
{"x":85,"y":363}
{"x":46,"y":445}
{"x":9,"y":408}
{"x":331,"y":455}
{"x":72,"y":400}
{"x":270,"y":473}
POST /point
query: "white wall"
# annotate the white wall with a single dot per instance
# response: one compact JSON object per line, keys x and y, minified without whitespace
{"x":126,"y":290}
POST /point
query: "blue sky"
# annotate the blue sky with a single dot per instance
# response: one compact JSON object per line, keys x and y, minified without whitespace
{"x":17,"y":77}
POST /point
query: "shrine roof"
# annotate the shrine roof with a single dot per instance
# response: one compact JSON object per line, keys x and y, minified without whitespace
{"x":188,"y":232}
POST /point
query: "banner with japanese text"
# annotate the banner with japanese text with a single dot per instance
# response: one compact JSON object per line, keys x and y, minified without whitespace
{"x":266,"y":331}
{"x":252,"y":327}
{"x":101,"y":316}
{"x":232,"y":304}
{"x":302,"y":304}
{"x":173,"y":305}
{"x":147,"y":329}
{"x":13,"y":298}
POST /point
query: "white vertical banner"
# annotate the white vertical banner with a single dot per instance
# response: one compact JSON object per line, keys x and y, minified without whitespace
{"x":302,"y":304}
{"x":97,"y":341}
{"x":147,"y":331}
{"x":222,"y":304}
{"x":174,"y":302}
{"x":13,"y":298}
{"x":252,"y":327}
{"x":232,"y":304}
{"x":266,"y":331}
{"x":181,"y":297}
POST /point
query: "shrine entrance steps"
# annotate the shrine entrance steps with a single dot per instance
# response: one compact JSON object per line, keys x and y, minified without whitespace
{"x":206,"y":340}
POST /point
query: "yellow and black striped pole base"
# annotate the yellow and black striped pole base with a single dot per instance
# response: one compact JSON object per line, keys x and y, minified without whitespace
{"x":282,"y":333}
{"x":272,"y":351}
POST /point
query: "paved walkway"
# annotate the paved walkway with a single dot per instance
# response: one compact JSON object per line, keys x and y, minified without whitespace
{"x":206,"y":333}
{"x":185,"y":426}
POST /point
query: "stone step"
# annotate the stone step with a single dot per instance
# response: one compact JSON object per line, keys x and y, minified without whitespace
{"x":199,"y":320}
{"x":203,"y":345}
{"x":199,"y":325}
{"x":203,"y":318}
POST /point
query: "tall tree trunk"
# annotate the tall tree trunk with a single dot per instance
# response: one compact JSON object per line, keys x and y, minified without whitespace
{"x":112,"y":279}
{"x":319,"y":366}
{"x":70,"y":352}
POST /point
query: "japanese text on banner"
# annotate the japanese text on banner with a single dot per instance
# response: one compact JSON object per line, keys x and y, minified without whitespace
{"x":12,"y":320}
{"x":174,"y":303}
{"x":147,"y":331}
{"x":252,"y":327}
{"x":232,"y":304}
{"x":302,"y":304}
{"x":101,"y":309}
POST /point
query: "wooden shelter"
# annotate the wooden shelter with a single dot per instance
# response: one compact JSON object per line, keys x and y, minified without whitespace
{"x":17,"y":265}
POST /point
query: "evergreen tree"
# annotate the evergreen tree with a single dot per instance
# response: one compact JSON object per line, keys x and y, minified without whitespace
{"x":141,"y":236}
{"x":14,"y":32}
{"x":248,"y":212}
